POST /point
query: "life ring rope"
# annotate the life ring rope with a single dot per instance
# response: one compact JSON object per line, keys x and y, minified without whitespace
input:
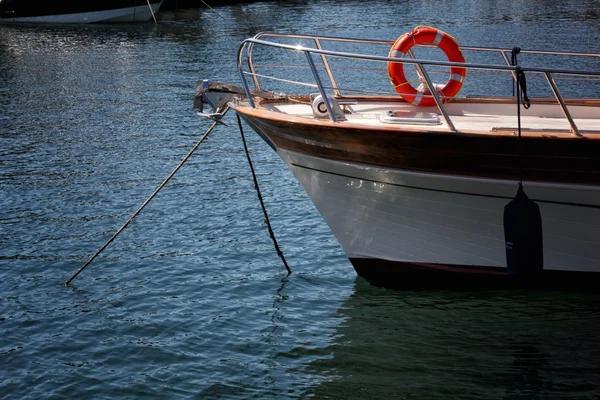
{"x":432,"y":36}
{"x":404,"y":83}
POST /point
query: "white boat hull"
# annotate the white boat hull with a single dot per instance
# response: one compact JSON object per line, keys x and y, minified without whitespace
{"x":444,"y":220}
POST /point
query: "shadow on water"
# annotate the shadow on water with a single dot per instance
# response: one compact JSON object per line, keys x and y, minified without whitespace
{"x":497,"y":344}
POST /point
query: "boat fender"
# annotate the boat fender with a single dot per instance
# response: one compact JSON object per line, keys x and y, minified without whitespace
{"x":523,"y":239}
{"x":320,"y":109}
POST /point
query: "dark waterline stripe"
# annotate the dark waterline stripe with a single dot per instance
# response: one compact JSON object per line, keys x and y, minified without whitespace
{"x":416,"y":275}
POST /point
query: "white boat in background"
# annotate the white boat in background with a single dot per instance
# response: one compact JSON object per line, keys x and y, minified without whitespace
{"x":39,"y":11}
{"x":415,"y":182}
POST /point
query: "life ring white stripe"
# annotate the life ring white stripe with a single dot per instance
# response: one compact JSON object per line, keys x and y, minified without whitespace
{"x":397,"y":53}
{"x":418,"y":98}
{"x":438,"y":37}
{"x":457,"y":77}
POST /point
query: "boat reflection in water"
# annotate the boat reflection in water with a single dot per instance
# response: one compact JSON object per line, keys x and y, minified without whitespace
{"x":89,"y":11}
{"x":469,"y":345}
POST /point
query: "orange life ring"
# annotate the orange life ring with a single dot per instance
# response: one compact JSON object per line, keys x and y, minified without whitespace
{"x":426,"y":35}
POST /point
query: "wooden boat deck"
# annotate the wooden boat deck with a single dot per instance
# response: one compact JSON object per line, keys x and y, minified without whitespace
{"x":470,"y":117}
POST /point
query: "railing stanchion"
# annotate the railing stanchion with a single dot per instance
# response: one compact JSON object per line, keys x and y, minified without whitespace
{"x":435,"y":95}
{"x":563,"y":105}
{"x":243,"y":77}
{"x":328,"y":69}
{"x":320,"y":85}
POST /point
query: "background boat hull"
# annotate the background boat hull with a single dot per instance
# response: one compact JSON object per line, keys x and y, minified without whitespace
{"x":33,"y":11}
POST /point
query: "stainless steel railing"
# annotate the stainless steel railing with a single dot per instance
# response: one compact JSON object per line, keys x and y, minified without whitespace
{"x":248,"y":45}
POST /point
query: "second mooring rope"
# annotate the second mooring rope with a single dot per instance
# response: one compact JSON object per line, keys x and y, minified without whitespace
{"x":262,"y":205}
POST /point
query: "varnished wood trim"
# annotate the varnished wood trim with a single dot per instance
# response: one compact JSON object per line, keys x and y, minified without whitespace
{"x":541,"y":159}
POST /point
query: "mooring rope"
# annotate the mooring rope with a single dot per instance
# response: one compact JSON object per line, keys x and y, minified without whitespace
{"x":152,"y":12}
{"x":262,"y":205}
{"x":213,"y":10}
{"x":514,"y":61}
{"x":222,"y":17}
{"x":158,"y":188}
{"x":521,"y":85}
{"x":522,"y":99}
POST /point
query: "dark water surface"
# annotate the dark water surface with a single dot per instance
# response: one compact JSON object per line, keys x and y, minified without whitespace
{"x":191,"y":301}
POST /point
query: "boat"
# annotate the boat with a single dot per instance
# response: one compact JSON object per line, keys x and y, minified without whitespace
{"x":37,"y":11}
{"x":185,"y":4}
{"x":490,"y":179}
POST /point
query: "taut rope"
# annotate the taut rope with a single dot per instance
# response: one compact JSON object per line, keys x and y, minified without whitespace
{"x":158,"y":188}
